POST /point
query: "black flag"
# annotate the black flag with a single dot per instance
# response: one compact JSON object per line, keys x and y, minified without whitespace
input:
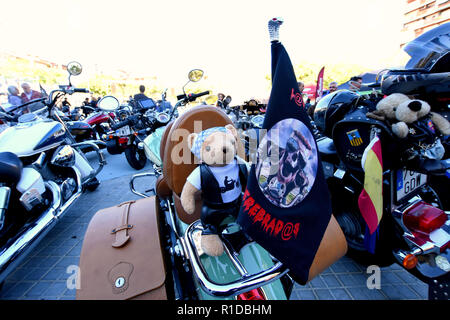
{"x":286,"y":206}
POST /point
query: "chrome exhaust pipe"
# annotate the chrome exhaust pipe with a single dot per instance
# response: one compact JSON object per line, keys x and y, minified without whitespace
{"x":5,"y":192}
{"x":13,"y":255}
{"x":61,"y":211}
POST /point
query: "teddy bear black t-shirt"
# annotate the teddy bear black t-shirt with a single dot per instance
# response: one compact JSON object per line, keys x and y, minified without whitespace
{"x":227,"y":177}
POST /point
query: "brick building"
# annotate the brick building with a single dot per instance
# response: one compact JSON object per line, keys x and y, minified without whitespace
{"x":423,"y":15}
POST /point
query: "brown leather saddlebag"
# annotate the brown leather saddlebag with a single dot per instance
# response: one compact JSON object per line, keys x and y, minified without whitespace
{"x":121,"y":256}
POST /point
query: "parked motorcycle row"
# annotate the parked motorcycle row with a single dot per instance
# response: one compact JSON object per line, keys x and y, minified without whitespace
{"x":44,"y":170}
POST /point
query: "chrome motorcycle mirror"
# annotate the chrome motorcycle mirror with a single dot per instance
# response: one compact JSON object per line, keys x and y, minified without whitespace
{"x":74,"y":68}
{"x":108,"y":103}
{"x":195,"y":75}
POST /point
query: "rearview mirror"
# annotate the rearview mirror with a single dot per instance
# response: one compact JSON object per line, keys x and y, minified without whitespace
{"x":195,"y":75}
{"x":108,"y":103}
{"x":74,"y":68}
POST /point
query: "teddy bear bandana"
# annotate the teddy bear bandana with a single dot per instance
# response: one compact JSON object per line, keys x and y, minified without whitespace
{"x":201,"y":137}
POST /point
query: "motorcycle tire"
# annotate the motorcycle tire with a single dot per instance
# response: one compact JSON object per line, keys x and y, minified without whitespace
{"x":135,"y":157}
{"x":356,"y":250}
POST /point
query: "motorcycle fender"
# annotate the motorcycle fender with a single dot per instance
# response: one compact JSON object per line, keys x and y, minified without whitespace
{"x":332,"y":247}
{"x":121,"y":257}
{"x":82,"y":165}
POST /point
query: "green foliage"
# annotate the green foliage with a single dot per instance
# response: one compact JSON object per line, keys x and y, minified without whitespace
{"x":308,"y":72}
{"x":22,"y":70}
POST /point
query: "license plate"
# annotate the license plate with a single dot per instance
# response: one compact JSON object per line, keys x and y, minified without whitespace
{"x":408,"y":182}
{"x":124,"y":131}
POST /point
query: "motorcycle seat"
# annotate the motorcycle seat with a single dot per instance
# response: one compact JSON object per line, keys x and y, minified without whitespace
{"x":178,"y":161}
{"x":429,"y":166}
{"x":10,"y":167}
{"x":161,"y":187}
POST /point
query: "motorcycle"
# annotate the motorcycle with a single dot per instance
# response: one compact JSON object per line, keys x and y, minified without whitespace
{"x":76,"y":114}
{"x":93,"y":127}
{"x":100,"y":121}
{"x":164,"y":105}
{"x":124,"y":111}
{"x":125,"y":136}
{"x":426,"y":76}
{"x":414,"y":229}
{"x":43,"y":172}
{"x":248,"y":119}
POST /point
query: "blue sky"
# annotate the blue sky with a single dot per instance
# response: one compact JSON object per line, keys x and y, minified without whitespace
{"x":228,"y":39}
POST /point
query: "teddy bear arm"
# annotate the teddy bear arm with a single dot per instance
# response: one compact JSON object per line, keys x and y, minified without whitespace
{"x":189,"y":195}
{"x":442,"y":124}
{"x":400,"y":129}
{"x":377,"y":115}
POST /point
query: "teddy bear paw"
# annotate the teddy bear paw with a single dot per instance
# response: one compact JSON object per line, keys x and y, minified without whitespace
{"x":212,"y":245}
{"x":400,"y":129}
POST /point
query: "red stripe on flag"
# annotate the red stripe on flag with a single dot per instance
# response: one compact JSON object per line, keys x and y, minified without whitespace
{"x":377,"y":150}
{"x":368,"y":211}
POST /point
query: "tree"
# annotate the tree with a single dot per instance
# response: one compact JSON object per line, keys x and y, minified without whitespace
{"x":341,"y":73}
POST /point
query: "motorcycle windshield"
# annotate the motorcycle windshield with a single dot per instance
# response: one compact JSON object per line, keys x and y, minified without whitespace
{"x":152,"y":145}
{"x":428,"y":48}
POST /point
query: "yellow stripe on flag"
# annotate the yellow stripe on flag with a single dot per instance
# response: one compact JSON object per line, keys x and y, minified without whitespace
{"x":373,"y":183}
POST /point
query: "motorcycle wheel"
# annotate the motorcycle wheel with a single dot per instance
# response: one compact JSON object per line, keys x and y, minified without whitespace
{"x":354,"y":234}
{"x":135,"y":157}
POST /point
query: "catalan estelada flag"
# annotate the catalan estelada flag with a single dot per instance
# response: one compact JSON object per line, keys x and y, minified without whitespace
{"x":286,"y":206}
{"x":370,"y":200}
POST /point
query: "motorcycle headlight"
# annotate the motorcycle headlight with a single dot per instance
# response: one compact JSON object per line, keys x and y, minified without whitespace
{"x":63,"y":157}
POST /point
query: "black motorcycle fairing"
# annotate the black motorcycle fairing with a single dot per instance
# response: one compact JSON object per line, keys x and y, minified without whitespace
{"x":427,"y":73}
{"x":429,"y":166}
{"x":352,"y":135}
{"x":427,"y":49}
{"x":332,"y":108}
{"x":10,"y":167}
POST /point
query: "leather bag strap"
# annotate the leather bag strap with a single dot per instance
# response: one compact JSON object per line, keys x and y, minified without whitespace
{"x":121,"y":231}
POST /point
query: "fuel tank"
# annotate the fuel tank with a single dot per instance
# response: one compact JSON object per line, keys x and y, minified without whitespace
{"x":97,"y":118}
{"x":26,"y":139}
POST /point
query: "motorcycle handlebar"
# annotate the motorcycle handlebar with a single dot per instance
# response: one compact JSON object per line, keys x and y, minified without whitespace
{"x":83,"y":90}
{"x":129,"y":121}
{"x":193,"y":96}
{"x":121,"y":124}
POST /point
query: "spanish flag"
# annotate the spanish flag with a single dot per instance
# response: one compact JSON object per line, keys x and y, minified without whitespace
{"x":370,"y":200}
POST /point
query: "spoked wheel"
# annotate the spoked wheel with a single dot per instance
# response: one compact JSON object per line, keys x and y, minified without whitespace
{"x":135,"y":157}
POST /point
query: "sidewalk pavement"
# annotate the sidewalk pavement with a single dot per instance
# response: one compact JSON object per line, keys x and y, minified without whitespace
{"x":44,"y":273}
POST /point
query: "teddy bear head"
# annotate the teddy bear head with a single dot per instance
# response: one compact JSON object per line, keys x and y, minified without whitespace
{"x":411,"y":110}
{"x":388,"y":105}
{"x":215,"y":146}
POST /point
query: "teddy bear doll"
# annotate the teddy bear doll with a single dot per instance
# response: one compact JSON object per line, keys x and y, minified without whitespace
{"x":218,"y":180}
{"x":400,"y":110}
